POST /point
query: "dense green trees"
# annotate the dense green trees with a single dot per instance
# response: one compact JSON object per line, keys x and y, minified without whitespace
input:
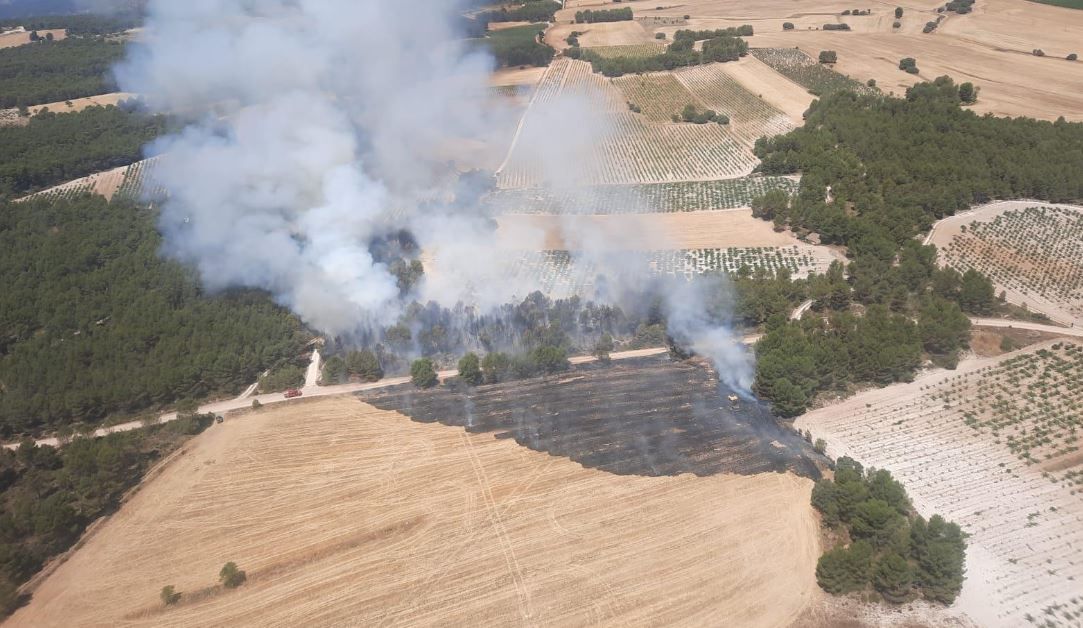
{"x":896,"y":165}
{"x":520,"y":45}
{"x":282,"y":377}
{"x":53,"y":71}
{"x":93,"y":322}
{"x":893,"y":550}
{"x":603,"y":15}
{"x":55,"y":148}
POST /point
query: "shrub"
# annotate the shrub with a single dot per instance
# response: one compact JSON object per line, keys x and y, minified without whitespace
{"x":232,"y":577}
{"x":929,"y":27}
{"x":256,"y":405}
{"x":909,"y":64}
{"x":787,"y":26}
{"x":1038,"y":52}
{"x":968,"y":93}
{"x":470,"y":369}
{"x":896,"y":24}
{"x":898,"y":13}
{"x":828,"y":56}
{"x":423,"y":374}
{"x":169,"y":595}
{"x":871,"y":82}
{"x":603,"y":347}
{"x":836,"y":27}
{"x":722,"y":119}
{"x":659,"y":35}
{"x":1072,"y":57}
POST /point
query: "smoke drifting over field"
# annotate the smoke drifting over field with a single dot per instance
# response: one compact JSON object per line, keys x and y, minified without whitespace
{"x":317,"y":126}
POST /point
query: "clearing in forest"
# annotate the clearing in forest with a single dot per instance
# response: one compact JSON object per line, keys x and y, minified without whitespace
{"x":1033,"y":252}
{"x":343,"y":513}
{"x":993,"y":446}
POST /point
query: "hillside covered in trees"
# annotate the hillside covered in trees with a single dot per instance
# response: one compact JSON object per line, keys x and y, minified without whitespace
{"x":93,"y":322}
{"x":54,"y":71}
{"x":58,"y":147}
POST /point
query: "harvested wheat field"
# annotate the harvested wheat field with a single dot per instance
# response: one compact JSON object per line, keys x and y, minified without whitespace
{"x":1032,"y":251}
{"x":993,"y":446}
{"x":78,"y":104}
{"x":344,"y":514}
{"x":14,"y":38}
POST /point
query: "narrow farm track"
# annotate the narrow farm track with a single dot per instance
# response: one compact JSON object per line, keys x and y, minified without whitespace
{"x":245,"y":399}
{"x":343,"y":514}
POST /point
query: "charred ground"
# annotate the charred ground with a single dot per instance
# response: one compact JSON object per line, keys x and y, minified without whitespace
{"x":651,"y":416}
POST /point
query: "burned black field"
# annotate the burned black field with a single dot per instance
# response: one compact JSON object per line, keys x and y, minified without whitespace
{"x":651,"y":416}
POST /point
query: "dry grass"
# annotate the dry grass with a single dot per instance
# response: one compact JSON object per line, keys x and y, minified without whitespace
{"x":78,"y":104}
{"x":344,"y":514}
{"x":13,"y":39}
{"x":658,"y":95}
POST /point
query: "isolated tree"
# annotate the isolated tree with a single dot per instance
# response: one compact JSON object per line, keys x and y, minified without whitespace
{"x":909,"y":65}
{"x":423,"y":374}
{"x":968,"y":93}
{"x":828,"y":56}
{"x":1072,"y":56}
{"x":470,"y":369}
{"x":603,"y":348}
{"x":893,"y":578}
{"x":898,"y":13}
{"x":787,"y":26}
{"x":169,"y":595}
{"x":256,"y":405}
{"x":230,"y":576}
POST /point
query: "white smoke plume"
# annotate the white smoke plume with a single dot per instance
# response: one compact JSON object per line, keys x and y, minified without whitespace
{"x":315,"y":125}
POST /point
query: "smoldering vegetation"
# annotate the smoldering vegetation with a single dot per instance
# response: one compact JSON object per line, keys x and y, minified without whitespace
{"x":648,"y":416}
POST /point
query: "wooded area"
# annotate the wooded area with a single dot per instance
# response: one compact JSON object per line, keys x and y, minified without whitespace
{"x":54,"y":71}
{"x":891,"y":549}
{"x":93,"y":322}
{"x":58,"y":147}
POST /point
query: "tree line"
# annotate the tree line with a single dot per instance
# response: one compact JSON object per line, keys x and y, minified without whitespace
{"x":58,"y":147}
{"x":603,"y":15}
{"x":54,"y":71}
{"x":885,"y":546}
{"x":94,"y":323}
{"x":80,"y":24}
{"x":718,"y":46}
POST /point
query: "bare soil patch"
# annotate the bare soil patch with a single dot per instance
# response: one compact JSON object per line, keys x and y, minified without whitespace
{"x":345,"y":514}
{"x":21,"y":38}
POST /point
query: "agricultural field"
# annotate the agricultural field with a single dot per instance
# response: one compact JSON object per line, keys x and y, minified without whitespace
{"x":78,"y":104}
{"x":632,"y":50}
{"x":564,"y":273}
{"x":627,"y":149}
{"x":659,"y":95}
{"x":992,"y":445}
{"x":806,"y":71}
{"x":127,"y":181}
{"x":1033,"y":253}
{"x":341,"y":513}
{"x":639,"y":199}
{"x":750,"y":116}
{"x":11,"y":39}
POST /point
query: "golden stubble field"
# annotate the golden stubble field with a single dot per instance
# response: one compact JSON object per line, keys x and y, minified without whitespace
{"x":990,"y":47}
{"x":345,"y":514}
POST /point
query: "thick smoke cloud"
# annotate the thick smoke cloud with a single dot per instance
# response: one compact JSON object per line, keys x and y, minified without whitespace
{"x":314,"y":126}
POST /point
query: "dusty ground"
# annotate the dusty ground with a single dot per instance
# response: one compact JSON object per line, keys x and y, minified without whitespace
{"x":1025,"y":532}
{"x":601,"y":34}
{"x":641,"y":232}
{"x":102,"y":183}
{"x":516,"y":76}
{"x":344,"y":514}
{"x":777,"y":90}
{"x":12,"y":39}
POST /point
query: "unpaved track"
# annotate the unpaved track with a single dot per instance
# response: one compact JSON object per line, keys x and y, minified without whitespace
{"x":245,"y":400}
{"x":347,"y":515}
